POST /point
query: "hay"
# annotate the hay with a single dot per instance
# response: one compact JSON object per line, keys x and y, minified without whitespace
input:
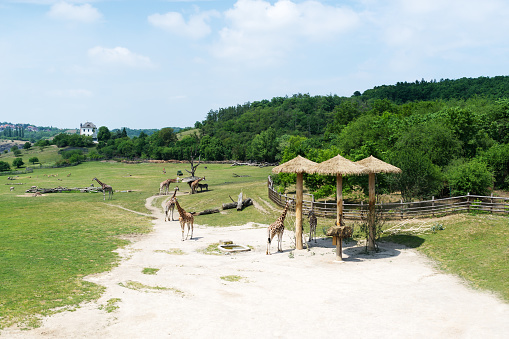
{"x":340,"y":231}
{"x":339,"y":165}
{"x":378,"y":166}
{"x":296,"y":165}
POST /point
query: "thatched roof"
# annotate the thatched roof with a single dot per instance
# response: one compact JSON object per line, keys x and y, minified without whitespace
{"x":339,"y":165}
{"x":375,"y":165}
{"x":296,"y":165}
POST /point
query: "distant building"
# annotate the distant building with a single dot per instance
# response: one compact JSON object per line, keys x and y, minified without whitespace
{"x":88,"y":129}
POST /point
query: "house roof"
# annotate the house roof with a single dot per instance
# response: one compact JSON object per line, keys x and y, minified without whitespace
{"x":88,"y":124}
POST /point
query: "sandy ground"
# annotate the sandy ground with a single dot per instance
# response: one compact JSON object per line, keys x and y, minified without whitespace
{"x":395,"y":293}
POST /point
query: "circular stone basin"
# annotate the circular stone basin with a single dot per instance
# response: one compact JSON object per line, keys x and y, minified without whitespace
{"x":231,"y":248}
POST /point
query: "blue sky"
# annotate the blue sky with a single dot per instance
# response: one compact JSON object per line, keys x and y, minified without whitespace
{"x":154,"y":64}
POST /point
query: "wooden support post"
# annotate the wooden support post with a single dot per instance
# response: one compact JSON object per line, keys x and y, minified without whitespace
{"x":339,"y":200}
{"x":339,"y":248}
{"x":371,"y":213}
{"x":298,"y":211}
{"x":433,"y":205}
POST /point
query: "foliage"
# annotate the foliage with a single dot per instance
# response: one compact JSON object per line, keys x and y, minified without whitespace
{"x":472,"y":177}
{"x":72,"y":140}
{"x":497,"y":158}
{"x":33,"y":160}
{"x":4,"y":166}
{"x":18,"y":162}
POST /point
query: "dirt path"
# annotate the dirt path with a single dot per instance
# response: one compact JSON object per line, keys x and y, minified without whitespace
{"x":396,"y":293}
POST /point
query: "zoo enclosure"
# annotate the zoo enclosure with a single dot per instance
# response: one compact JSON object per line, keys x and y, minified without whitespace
{"x":401,"y":210}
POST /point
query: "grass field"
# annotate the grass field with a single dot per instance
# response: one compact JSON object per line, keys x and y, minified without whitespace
{"x":47,"y":244}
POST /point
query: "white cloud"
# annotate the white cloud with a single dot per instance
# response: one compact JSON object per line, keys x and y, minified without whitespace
{"x":81,"y":13}
{"x":119,"y":56}
{"x":70,"y":93}
{"x":197,"y":27}
{"x":261,"y":30}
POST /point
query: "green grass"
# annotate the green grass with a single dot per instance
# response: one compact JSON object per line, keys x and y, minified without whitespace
{"x":111,"y":305}
{"x":150,"y":271}
{"x":474,"y":247}
{"x":232,"y":278}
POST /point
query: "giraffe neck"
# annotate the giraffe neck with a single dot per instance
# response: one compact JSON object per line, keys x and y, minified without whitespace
{"x":283,"y":215}
{"x":174,"y":194}
{"x":100,"y":183}
{"x":180,"y":209}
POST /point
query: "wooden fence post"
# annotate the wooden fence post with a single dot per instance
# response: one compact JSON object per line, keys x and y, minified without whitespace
{"x":433,"y":205}
{"x":401,"y":209}
{"x":491,"y":204}
{"x":468,"y":202}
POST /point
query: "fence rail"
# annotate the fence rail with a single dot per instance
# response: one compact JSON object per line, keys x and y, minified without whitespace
{"x":401,"y":210}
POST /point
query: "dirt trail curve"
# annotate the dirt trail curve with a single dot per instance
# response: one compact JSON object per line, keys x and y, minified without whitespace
{"x":396,"y":293}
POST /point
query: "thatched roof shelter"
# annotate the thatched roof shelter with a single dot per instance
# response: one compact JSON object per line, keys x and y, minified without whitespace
{"x":374,"y":166}
{"x":299,"y":165}
{"x":296,"y":165}
{"x":339,"y":166}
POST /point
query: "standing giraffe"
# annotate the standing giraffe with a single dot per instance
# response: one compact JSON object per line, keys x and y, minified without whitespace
{"x":170,"y":205}
{"x":105,"y":188}
{"x":194,"y":185}
{"x":312,"y":225}
{"x":185,"y":218}
{"x":278,"y":227}
{"x":165,"y":185}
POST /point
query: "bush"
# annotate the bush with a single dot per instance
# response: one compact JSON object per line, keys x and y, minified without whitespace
{"x":33,"y":160}
{"x":472,"y":177}
{"x":4,"y":166}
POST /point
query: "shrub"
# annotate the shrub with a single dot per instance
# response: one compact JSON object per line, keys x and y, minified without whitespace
{"x":472,"y":177}
{"x":4,"y":166}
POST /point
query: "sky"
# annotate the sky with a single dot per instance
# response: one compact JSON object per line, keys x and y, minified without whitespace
{"x":161,"y":63}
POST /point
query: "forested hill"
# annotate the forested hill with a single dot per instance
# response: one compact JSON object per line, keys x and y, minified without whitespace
{"x":464,"y":88}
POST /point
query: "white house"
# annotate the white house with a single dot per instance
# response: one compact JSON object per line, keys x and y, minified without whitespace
{"x":88,"y":129}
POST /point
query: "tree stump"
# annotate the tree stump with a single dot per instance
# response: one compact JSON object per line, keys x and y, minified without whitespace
{"x":338,"y":233}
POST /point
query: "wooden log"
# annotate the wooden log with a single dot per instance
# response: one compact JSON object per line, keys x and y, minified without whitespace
{"x":245,"y":202}
{"x":239,"y":202}
{"x":210,"y":211}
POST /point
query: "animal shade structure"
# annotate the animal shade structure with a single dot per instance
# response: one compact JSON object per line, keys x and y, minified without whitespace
{"x":298,"y":165}
{"x":339,"y":166}
{"x":374,"y":166}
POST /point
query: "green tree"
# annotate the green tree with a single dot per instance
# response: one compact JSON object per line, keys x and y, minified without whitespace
{"x":4,"y":166}
{"x":27,"y":145}
{"x":18,"y":162}
{"x":33,"y":160}
{"x":472,"y":177}
{"x":420,"y":178}
{"x":264,"y":146}
{"x":103,"y":134}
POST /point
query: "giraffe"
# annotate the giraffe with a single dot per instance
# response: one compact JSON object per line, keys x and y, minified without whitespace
{"x":165,"y":185}
{"x":185,"y":218}
{"x":170,"y":205}
{"x":194,"y":185}
{"x":312,"y":225}
{"x":278,"y":227}
{"x":105,"y":188}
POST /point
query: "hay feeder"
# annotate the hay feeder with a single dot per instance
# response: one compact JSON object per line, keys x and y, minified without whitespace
{"x":338,"y":233}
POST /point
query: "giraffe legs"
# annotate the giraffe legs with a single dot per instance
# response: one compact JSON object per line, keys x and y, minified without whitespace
{"x":280,"y":242}
{"x":269,"y":240}
{"x":182,"y":226}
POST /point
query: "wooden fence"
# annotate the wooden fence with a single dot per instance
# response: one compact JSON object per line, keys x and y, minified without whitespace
{"x":401,"y":210}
